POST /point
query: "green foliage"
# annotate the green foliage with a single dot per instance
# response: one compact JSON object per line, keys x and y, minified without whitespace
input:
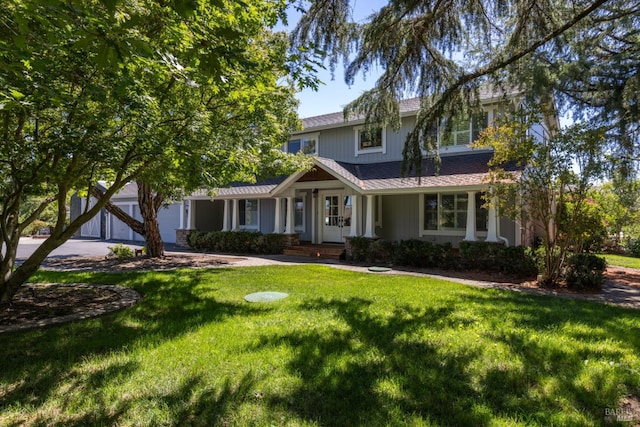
{"x":240,"y":242}
{"x":34,"y":227}
{"x":560,"y":169}
{"x":585,"y":271}
{"x":365,"y":249}
{"x":490,"y":256}
{"x":584,"y":52}
{"x":632,"y":247}
{"x":120,"y":251}
{"x":425,"y":254}
{"x":422,"y":253}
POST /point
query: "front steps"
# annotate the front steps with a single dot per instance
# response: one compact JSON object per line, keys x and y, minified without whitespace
{"x":323,"y":251}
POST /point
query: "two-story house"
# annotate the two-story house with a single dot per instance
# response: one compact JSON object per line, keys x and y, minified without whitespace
{"x":355,"y":188}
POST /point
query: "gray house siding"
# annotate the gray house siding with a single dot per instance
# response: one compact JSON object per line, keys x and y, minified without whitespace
{"x":267,"y":215}
{"x":400,"y":217}
{"x":339,"y":144}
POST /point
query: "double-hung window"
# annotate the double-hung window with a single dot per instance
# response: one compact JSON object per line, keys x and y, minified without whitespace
{"x":307,"y":144}
{"x":461,"y":131}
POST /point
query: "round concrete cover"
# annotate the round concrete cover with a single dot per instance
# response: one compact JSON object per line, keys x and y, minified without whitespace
{"x":379,"y":269}
{"x":265,"y":296}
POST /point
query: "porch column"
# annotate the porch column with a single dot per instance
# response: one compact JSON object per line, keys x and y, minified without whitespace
{"x":492,"y":227}
{"x":371,"y":215}
{"x":183,"y":208}
{"x":470,"y":235}
{"x":277,"y":227}
{"x":354,"y":215}
{"x":235,"y":215}
{"x":225,"y":216}
{"x":314,"y":216}
{"x":289,"y":224}
{"x":188,"y":213}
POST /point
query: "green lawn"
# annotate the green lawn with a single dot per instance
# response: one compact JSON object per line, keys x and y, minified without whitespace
{"x":344,"y":349}
{"x":622,"y":261}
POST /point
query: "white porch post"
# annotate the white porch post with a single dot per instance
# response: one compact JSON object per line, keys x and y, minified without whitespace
{"x":314,"y":216}
{"x":183,"y":207}
{"x":277,"y":227}
{"x":354,"y":215}
{"x":369,"y":231}
{"x":225,"y":215}
{"x":191,"y":220}
{"x":289,"y":224}
{"x":470,"y":235}
{"x":235,"y":215}
{"x":492,"y":227}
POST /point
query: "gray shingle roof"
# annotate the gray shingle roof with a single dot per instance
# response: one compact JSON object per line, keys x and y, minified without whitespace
{"x":455,"y":171}
{"x":407,"y":106}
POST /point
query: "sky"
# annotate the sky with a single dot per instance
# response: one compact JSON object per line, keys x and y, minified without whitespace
{"x":334,"y":93}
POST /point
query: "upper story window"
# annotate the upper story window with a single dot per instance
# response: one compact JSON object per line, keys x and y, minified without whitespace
{"x":248,"y":214}
{"x":374,"y":141}
{"x":307,"y":144}
{"x":462,"y":131}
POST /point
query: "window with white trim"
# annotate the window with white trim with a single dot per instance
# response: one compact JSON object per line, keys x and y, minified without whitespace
{"x":448,"y":212}
{"x":248,"y":214}
{"x":462,"y":131}
{"x":374,"y":141}
{"x":307,"y":144}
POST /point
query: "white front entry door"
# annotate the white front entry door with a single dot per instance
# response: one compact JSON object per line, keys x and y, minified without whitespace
{"x":336,"y":214}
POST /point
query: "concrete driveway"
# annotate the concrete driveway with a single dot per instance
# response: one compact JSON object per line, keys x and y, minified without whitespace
{"x":72,"y":247}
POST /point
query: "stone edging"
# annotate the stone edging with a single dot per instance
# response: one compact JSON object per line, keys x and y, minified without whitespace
{"x":128,"y":297}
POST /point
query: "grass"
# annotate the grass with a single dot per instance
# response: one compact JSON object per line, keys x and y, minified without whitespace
{"x":343,"y":349}
{"x":622,"y":261}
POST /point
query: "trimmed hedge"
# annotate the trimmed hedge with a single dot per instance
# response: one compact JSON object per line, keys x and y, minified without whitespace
{"x":421,"y":253}
{"x":498,"y":257}
{"x":236,"y":242}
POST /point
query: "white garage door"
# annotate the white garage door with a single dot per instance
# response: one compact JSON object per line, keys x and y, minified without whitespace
{"x":91,"y":228}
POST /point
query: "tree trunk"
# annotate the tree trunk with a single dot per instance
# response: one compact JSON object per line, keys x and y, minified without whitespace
{"x":149,"y":206}
{"x":114,"y":210}
{"x":149,"y":228}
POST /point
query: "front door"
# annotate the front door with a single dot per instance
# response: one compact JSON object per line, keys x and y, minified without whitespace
{"x":336,"y":217}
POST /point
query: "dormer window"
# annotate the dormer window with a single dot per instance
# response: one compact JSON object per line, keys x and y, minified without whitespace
{"x":373,"y":141}
{"x":307,"y":144}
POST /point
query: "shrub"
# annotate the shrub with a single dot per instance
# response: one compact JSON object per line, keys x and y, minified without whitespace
{"x":490,"y":256}
{"x":34,"y":227}
{"x":422,"y":253}
{"x":585,"y":271}
{"x":358,"y":248}
{"x":236,"y":242}
{"x":518,"y":260}
{"x":633,"y":247}
{"x":120,"y":251}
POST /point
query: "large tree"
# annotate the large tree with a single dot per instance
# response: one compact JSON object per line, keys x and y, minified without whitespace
{"x":243,"y":122}
{"x":100,"y":90}
{"x":445,"y":51}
